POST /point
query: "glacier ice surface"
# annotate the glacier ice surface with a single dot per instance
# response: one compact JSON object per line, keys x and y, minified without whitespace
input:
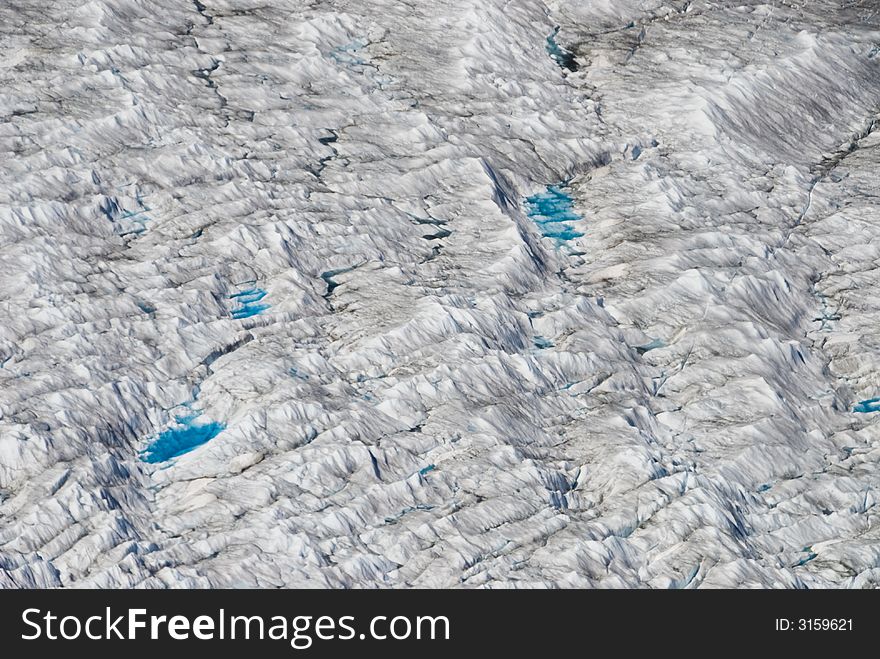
{"x":439,"y":395}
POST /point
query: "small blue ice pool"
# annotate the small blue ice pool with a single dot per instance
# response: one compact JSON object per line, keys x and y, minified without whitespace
{"x":188,"y":433}
{"x":552,"y":211}
{"x":249,"y":303}
{"x":865,"y":406}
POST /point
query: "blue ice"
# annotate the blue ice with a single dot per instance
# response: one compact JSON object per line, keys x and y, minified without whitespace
{"x":136,"y":220}
{"x":328,"y":275}
{"x":560,"y":55}
{"x":653,"y":345}
{"x":187,"y":434}
{"x":806,"y":559}
{"x":865,"y":406}
{"x":126,"y":221}
{"x":249,"y":303}
{"x":407,"y":510}
{"x":295,"y":372}
{"x":343,"y":54}
{"x":551,"y":210}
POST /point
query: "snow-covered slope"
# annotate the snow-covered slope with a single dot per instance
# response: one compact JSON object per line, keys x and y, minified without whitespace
{"x":439,"y":293}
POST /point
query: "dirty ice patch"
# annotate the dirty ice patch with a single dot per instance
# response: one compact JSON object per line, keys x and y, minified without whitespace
{"x":188,"y":433}
{"x":249,"y":303}
{"x":552,"y":211}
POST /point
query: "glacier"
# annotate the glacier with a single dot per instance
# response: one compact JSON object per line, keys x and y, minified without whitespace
{"x":313,"y":219}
